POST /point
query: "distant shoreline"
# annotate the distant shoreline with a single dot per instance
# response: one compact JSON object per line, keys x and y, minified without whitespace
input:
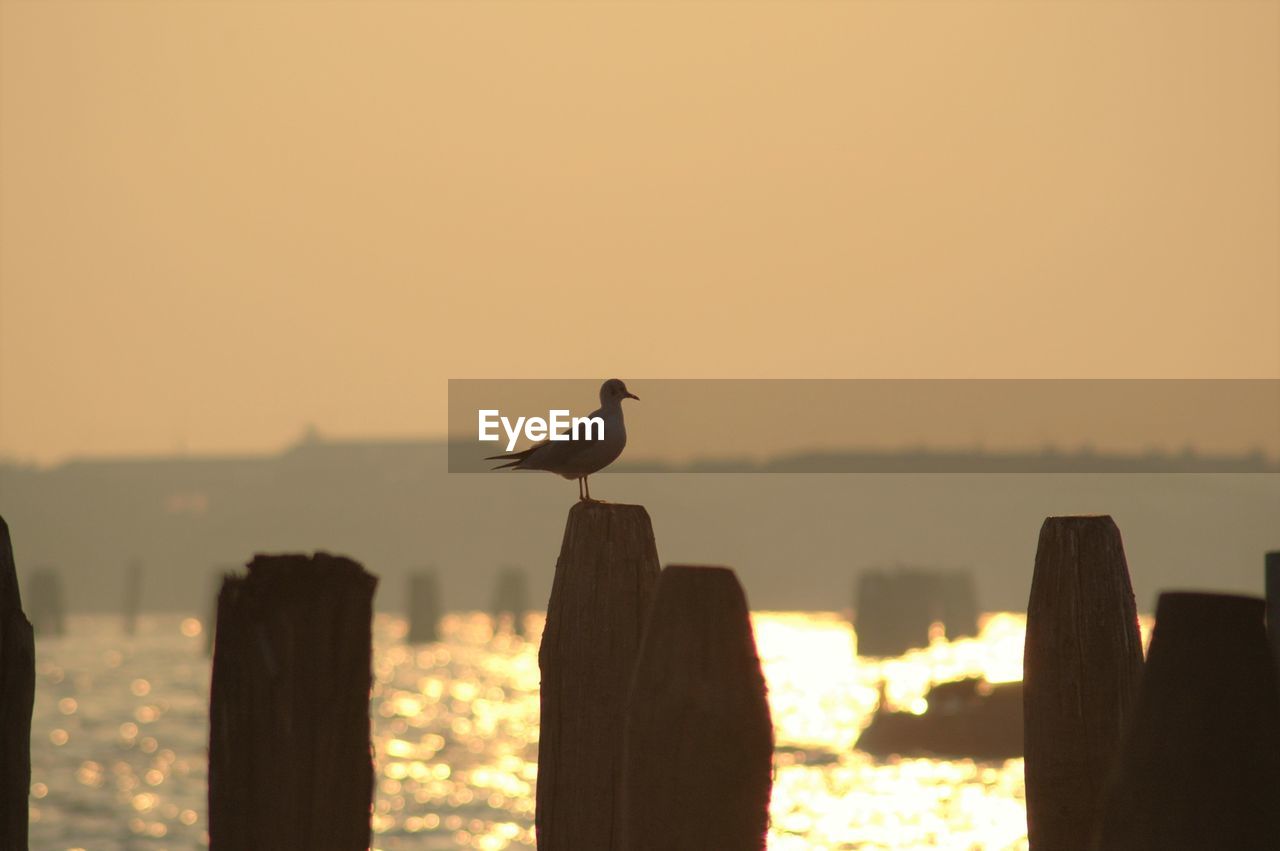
{"x":1047,"y":459}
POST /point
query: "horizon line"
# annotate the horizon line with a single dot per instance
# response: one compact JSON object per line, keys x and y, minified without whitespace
{"x":698,"y":463}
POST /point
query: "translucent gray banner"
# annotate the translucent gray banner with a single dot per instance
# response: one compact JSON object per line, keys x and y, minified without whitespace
{"x":887,"y":426}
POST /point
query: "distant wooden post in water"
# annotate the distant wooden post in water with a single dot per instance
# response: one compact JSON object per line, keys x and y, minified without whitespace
{"x":894,"y":611}
{"x":603,"y":586}
{"x":698,"y":754}
{"x":1273,"y":603}
{"x":17,"y":697}
{"x":45,"y":602}
{"x":1200,"y":766}
{"x":132,"y":597}
{"x":959,"y":604}
{"x":511,"y":597}
{"x":1081,"y":665}
{"x":290,"y":764}
{"x":424,"y":607}
{"x":896,"y":608}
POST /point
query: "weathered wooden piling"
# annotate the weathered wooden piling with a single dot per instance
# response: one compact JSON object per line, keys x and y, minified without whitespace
{"x":1081,"y":664}
{"x":603,"y":586}
{"x":17,"y":697}
{"x":424,"y":607}
{"x":210,"y":626}
{"x":132,"y":597}
{"x":290,"y":764}
{"x":511,"y":598}
{"x":45,"y":602}
{"x":1200,"y":764}
{"x":1272,"y":568}
{"x":698,"y":753}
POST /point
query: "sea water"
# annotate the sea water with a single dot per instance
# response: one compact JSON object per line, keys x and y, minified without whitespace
{"x":120,"y":730}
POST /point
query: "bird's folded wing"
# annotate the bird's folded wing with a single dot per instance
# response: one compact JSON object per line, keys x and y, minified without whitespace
{"x":547,"y":450}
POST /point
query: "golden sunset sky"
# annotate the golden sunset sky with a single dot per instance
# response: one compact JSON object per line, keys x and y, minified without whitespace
{"x":223,"y":221}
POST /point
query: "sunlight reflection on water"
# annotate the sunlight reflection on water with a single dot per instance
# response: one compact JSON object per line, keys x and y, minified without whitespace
{"x":119,"y":737}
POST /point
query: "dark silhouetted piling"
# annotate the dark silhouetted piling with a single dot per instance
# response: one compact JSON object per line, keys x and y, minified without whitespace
{"x":17,"y":696}
{"x":424,"y":607}
{"x":290,"y":764}
{"x":603,"y":586}
{"x":1273,"y":603}
{"x":132,"y":597}
{"x":510,"y":599}
{"x":1081,"y":666}
{"x":1200,"y":765}
{"x":698,"y":753}
{"x":210,"y":625}
{"x":45,"y":602}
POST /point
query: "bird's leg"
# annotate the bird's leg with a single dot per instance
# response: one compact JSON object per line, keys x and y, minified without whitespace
{"x":587,"y":485}
{"x":580,"y":496}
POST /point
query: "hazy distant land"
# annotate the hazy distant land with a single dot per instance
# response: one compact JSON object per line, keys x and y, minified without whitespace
{"x":796,"y":540}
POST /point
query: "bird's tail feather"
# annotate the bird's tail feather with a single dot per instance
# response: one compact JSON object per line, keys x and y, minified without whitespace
{"x":521,"y":455}
{"x":514,"y":457}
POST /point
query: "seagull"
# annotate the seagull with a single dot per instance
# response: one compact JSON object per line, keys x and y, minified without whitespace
{"x":577,"y":459}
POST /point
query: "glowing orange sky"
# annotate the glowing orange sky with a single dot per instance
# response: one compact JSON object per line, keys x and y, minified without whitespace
{"x":220,"y":221}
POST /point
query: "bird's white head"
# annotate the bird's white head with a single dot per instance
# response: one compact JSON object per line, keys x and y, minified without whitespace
{"x":613,"y":391}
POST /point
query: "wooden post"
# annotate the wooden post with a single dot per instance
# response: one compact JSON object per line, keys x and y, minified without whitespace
{"x":959,"y":604}
{"x":895,"y":610}
{"x":511,"y":597}
{"x":1273,"y":602}
{"x":132,"y":597}
{"x":44,"y":602}
{"x":698,"y":754}
{"x":1200,"y":766}
{"x":211,"y":619}
{"x":1081,"y":665}
{"x":424,"y":607}
{"x":17,"y":697}
{"x":290,"y":763}
{"x":604,"y":582}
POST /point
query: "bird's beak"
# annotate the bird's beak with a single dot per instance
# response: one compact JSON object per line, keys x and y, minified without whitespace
{"x":631,"y":396}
